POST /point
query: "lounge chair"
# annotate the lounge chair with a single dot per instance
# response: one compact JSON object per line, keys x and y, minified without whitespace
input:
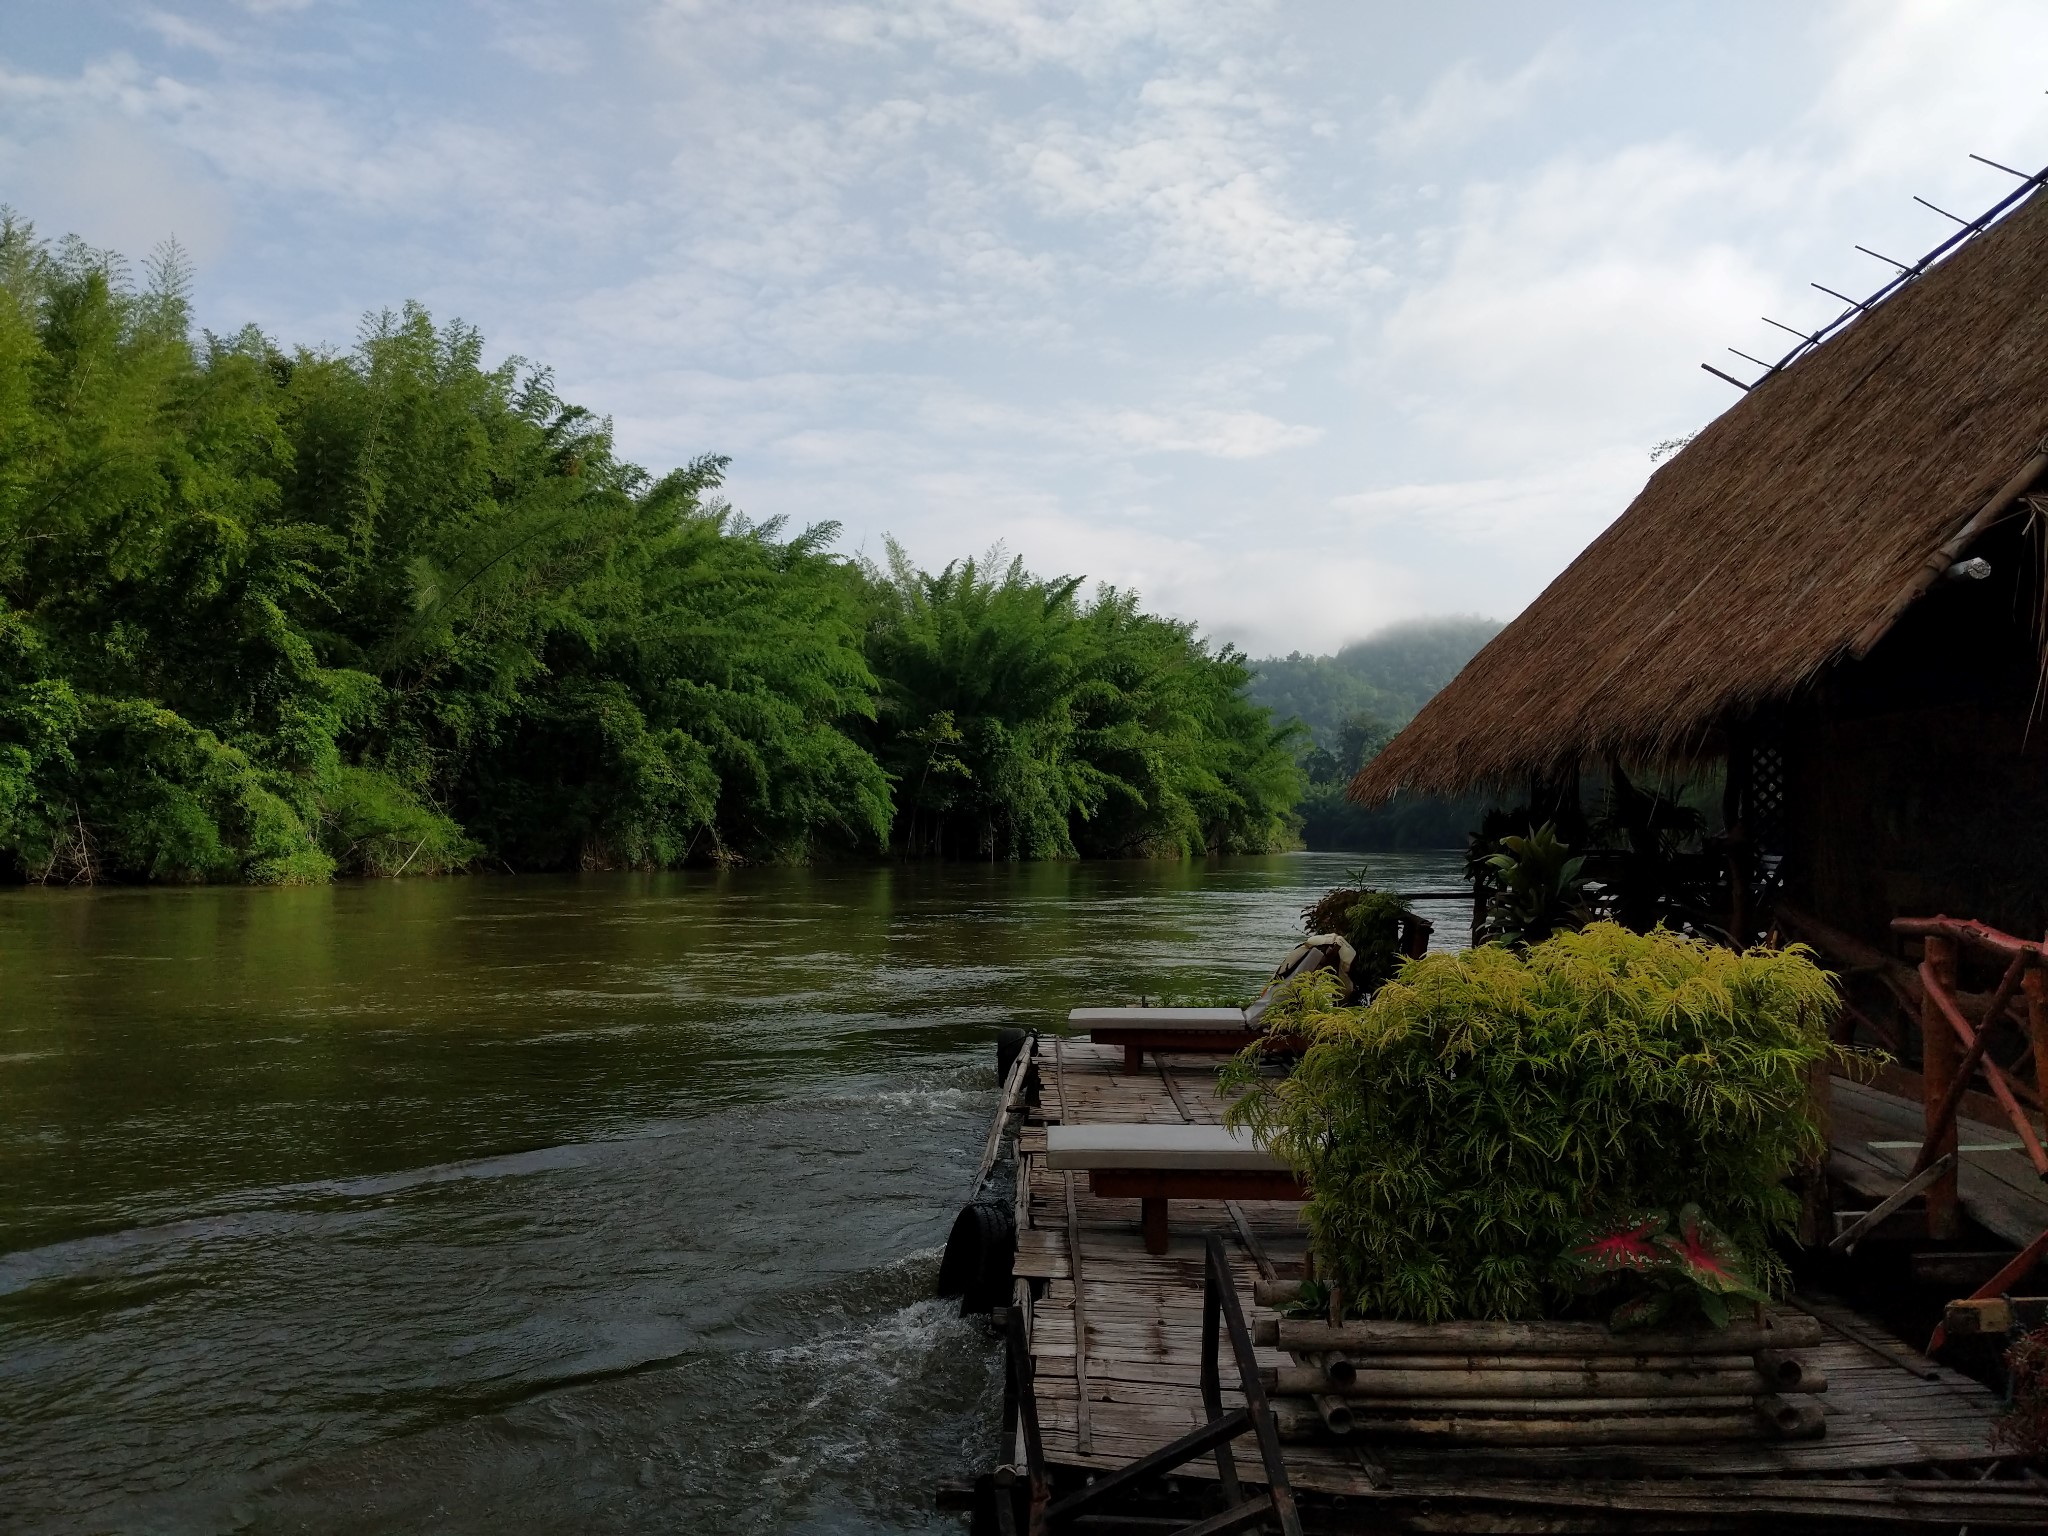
{"x":1157,"y":1163}
{"x":1219,"y":1030}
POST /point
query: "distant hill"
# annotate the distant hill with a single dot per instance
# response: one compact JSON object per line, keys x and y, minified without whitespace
{"x":1353,"y":703}
{"x":1390,"y":675}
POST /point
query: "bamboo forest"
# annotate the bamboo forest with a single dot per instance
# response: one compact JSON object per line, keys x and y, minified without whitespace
{"x":277,"y":614}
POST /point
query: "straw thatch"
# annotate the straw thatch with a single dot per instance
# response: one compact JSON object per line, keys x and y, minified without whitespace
{"x":1758,"y":556}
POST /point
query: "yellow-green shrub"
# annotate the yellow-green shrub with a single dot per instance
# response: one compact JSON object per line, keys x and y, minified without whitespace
{"x":1459,"y":1131}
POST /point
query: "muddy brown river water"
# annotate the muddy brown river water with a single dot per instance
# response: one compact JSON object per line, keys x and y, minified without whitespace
{"x":591,"y":1204}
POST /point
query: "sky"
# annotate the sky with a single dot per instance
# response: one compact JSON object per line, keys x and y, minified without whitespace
{"x":1302,"y":319}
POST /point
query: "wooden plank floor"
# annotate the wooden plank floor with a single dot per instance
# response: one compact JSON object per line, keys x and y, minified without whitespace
{"x":1999,"y":1190}
{"x":1144,"y":1322}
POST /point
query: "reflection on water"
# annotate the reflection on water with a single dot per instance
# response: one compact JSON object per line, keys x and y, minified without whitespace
{"x":566,"y":1204}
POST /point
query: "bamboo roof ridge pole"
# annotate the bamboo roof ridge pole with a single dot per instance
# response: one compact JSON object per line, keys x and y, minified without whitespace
{"x":1945,"y":556}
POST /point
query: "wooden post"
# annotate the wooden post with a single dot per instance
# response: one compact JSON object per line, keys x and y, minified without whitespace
{"x":2035,"y":985}
{"x":1152,"y":1214}
{"x":1937,"y":1071}
{"x":1134,"y":1059}
{"x":1734,"y":795}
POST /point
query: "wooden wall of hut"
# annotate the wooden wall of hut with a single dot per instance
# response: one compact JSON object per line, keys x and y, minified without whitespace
{"x":1916,"y":780}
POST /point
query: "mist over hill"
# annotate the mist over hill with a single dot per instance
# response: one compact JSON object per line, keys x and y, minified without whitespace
{"x":1352,"y":704}
{"x":1389,"y":675}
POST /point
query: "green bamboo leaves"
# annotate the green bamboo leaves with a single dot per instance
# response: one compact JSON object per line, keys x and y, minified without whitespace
{"x":1461,"y":1132}
{"x":272,"y":614}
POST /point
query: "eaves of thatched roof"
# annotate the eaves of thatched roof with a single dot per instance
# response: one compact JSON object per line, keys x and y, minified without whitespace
{"x":1791,"y":533}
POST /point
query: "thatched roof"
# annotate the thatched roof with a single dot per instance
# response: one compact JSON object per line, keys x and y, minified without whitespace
{"x":1790,"y":533}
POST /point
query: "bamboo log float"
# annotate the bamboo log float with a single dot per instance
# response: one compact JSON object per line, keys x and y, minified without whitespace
{"x":1789,"y":1373}
{"x":1338,"y":1367}
{"x":1591,"y":1381}
{"x":1368,"y":1411}
{"x":1372,"y":1337}
{"x":1297,"y":1420}
{"x":1789,"y":1420}
{"x":1277,"y":1293}
{"x":1726,"y":1360}
{"x":1335,"y":1413}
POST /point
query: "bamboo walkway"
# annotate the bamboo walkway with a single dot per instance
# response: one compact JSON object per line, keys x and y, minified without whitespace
{"x":1906,"y":1442}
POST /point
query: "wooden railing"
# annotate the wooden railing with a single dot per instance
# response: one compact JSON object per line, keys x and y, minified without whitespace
{"x":1953,"y":1052}
{"x":1222,"y":1317}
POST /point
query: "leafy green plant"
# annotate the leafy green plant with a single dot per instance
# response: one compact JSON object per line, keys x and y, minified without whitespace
{"x":1541,"y":889}
{"x":1653,"y":873}
{"x":1670,"y":1270}
{"x":1461,"y":1131}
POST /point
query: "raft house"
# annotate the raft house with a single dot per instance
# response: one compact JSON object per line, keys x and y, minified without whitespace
{"x":1834,"y":601}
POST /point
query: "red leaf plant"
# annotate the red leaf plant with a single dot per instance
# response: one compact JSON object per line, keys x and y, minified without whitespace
{"x":1710,"y":1261}
{"x":1631,"y":1245}
{"x":1669,"y":1269}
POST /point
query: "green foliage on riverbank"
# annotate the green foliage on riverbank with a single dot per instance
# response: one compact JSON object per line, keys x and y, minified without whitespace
{"x":273,"y":615}
{"x":1349,"y":706}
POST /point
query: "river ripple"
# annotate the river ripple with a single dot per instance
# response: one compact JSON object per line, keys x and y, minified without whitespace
{"x":581,"y":1204}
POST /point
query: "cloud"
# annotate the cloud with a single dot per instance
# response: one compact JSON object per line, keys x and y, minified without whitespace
{"x":1194,"y":177}
{"x":121,"y":189}
{"x":1462,"y":104}
{"x":1213,"y":434}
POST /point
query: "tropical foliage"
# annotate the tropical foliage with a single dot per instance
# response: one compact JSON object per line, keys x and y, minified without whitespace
{"x":1022,"y":721}
{"x":1538,"y":888}
{"x":1349,"y":707}
{"x":1462,"y":1131}
{"x":1657,"y":1269}
{"x":271,"y":614}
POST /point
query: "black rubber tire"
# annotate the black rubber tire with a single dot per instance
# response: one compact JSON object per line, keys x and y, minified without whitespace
{"x":1009,"y":1044}
{"x":980,"y":1252}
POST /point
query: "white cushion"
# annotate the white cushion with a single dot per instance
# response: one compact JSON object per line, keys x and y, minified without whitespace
{"x":1175,"y":1148}
{"x":1224,"y":1020}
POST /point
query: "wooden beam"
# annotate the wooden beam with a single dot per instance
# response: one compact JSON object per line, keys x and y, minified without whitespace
{"x":1931,"y":570}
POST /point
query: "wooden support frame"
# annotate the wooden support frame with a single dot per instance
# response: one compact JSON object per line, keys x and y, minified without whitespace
{"x":1154,"y":1187}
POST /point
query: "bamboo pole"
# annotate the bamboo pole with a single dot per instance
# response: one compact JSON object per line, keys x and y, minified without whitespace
{"x":1945,"y":1003}
{"x":1789,"y":1373}
{"x":1930,"y":570}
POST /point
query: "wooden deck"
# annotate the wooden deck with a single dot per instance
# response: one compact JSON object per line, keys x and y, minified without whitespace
{"x":1906,"y":1443}
{"x":1875,"y":1134}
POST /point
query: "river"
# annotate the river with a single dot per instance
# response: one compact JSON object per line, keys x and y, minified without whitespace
{"x":608,"y":1203}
